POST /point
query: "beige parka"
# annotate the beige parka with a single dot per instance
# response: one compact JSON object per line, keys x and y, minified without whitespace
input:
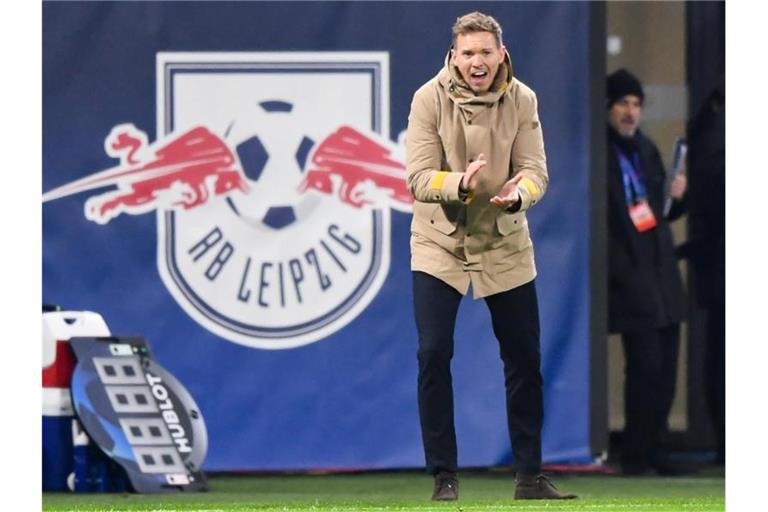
{"x":448,"y":127}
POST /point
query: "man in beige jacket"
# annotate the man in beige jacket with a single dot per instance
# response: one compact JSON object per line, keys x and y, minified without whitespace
{"x":476,"y":164}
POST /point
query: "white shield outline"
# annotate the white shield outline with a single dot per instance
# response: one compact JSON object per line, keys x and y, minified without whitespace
{"x":375,"y":63}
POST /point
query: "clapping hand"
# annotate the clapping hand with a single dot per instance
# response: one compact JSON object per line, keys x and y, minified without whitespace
{"x":469,"y":181}
{"x":508,"y":195}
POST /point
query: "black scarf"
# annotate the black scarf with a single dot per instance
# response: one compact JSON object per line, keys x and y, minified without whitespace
{"x":628,"y":145}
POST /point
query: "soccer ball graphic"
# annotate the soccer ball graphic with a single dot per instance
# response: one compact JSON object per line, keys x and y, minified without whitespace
{"x":272,"y":150}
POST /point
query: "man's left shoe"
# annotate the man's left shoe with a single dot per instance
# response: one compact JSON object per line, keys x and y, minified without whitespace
{"x":539,"y":487}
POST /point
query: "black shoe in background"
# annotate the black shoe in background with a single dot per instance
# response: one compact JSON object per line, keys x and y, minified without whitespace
{"x":633,"y":468}
{"x":669,"y":469}
{"x":446,"y":487}
{"x":662,"y":464}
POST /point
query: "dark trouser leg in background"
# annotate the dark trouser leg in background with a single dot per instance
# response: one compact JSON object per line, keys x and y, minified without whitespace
{"x":669,"y":338}
{"x":515,"y":317}
{"x":715,"y":367}
{"x":436,"y":304}
{"x":650,"y":371}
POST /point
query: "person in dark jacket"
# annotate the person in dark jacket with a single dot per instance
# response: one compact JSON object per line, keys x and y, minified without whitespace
{"x":645,"y":294}
{"x":705,"y":248}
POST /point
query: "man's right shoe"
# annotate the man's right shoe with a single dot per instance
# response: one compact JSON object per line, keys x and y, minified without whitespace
{"x":539,"y":487}
{"x":446,"y":487}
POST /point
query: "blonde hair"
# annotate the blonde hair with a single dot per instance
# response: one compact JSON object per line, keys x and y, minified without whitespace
{"x":477,"y":22}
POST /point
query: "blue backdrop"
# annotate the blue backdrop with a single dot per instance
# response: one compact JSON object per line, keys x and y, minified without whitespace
{"x":347,"y":400}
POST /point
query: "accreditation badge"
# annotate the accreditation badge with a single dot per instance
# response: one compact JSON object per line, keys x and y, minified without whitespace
{"x":642,"y":216}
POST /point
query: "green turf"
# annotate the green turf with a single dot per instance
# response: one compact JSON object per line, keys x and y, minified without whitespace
{"x":485,"y":491}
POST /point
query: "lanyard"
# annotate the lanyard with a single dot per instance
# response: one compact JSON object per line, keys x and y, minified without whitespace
{"x":634,"y":189}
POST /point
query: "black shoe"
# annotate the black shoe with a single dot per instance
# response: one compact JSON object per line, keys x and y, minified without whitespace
{"x":662,"y":464}
{"x":669,"y":469}
{"x":635,"y":465}
{"x":539,"y":487}
{"x":446,"y":487}
{"x":635,"y":469}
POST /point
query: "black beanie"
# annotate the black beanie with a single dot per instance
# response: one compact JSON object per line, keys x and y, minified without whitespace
{"x":620,"y":83}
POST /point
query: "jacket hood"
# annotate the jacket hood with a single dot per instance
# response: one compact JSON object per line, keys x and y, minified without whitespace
{"x":460,"y":92}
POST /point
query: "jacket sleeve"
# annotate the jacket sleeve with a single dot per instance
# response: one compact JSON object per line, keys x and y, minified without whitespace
{"x":528,"y":157}
{"x":678,"y":208}
{"x":427,"y":182}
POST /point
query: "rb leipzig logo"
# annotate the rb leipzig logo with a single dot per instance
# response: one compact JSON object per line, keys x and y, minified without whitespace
{"x":272,"y":185}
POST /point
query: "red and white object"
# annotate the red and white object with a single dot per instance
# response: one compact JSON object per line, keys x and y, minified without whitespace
{"x":58,"y":364}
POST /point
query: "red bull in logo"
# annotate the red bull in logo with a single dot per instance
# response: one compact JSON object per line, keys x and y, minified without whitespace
{"x":359,"y":171}
{"x":181,"y":173}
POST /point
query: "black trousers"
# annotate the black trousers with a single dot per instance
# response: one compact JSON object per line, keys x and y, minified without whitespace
{"x":649,"y":389}
{"x":515,"y":319}
{"x":715,"y":368}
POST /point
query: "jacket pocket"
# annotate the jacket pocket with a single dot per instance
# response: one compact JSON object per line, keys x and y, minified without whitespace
{"x":508,"y":223}
{"x":440,"y":221}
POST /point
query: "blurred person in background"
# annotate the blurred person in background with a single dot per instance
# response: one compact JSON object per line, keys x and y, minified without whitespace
{"x":705,"y":248}
{"x":646,"y":301}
